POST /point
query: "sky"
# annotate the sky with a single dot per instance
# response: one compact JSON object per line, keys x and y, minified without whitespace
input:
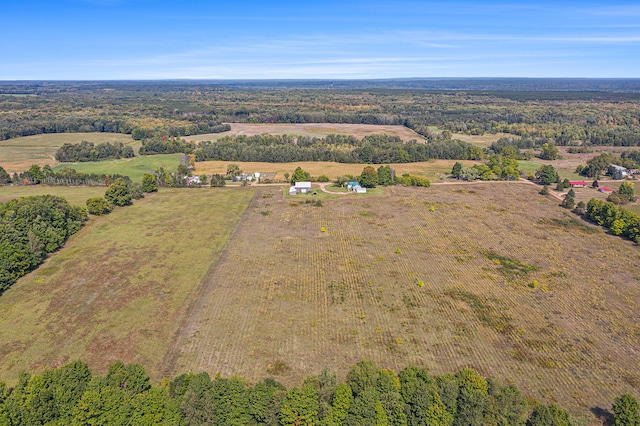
{"x":189,"y":39}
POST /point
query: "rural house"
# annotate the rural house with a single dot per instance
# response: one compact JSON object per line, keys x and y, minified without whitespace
{"x":578,"y":184}
{"x":618,"y":172}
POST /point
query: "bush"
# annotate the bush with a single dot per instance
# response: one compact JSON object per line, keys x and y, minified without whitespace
{"x":119,"y":193}
{"x":149,"y":183}
{"x":217,"y":181}
{"x":323,"y":178}
{"x":99,"y":206}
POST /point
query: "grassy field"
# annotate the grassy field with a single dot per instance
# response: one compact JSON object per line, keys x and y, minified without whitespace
{"x":76,"y":195}
{"x":121,"y":287}
{"x":132,"y":167}
{"x":17,"y":155}
{"x":433,"y":169}
{"x":319,"y":130}
{"x":393,"y":280}
{"x":483,"y":140}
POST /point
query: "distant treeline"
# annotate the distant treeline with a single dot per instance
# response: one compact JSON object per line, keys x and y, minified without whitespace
{"x":368,"y":396}
{"x":374,"y":149}
{"x":30,"y":228}
{"x":87,"y":151}
{"x":63,"y":177}
{"x":170,"y":109}
{"x":165,"y":145}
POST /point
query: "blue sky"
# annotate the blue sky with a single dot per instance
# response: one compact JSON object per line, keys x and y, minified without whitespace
{"x":145,"y":39}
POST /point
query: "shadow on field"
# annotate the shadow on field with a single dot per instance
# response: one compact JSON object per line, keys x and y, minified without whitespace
{"x":603,"y":414}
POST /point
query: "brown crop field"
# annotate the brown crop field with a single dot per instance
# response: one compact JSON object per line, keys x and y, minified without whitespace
{"x":319,"y":130}
{"x":17,"y":155}
{"x":495,"y":277}
{"x":121,"y":287}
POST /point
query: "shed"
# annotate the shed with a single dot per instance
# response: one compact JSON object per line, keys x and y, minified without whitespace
{"x":578,"y":184}
{"x":302,"y":187}
{"x":605,"y":190}
{"x":292,"y":190}
{"x":360,"y":190}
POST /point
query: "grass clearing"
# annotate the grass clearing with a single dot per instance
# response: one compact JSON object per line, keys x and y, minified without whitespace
{"x":17,"y":155}
{"x":121,"y":287}
{"x":483,"y":140}
{"x":76,"y":195}
{"x":134,"y":167}
{"x":305,"y":287}
{"x":319,"y":130}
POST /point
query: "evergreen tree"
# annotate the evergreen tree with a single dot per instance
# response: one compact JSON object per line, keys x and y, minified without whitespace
{"x":149,"y":183}
{"x":626,"y":410}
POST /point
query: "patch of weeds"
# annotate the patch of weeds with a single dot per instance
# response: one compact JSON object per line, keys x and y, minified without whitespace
{"x":534,"y":284}
{"x":510,"y":268}
{"x":399,"y":340}
{"x":365,"y":214}
{"x":571,"y":223}
{"x":38,"y":281}
{"x":632,"y":379}
{"x":277,"y":368}
{"x":353,"y":332}
{"x":293,"y":204}
{"x":409,"y":301}
{"x":323,"y":229}
{"x":421,"y":283}
{"x":265,"y":212}
{"x":487,"y":314}
{"x":398,"y":251}
{"x":361,"y":316}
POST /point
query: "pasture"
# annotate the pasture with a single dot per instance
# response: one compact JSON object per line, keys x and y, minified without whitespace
{"x":319,"y":130}
{"x":17,"y":155}
{"x":495,"y":277}
{"x":121,"y":288}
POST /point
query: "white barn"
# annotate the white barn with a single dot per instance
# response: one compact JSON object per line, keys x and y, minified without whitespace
{"x":300,"y":188}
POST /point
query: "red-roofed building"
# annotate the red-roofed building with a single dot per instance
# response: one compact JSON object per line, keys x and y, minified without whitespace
{"x":578,"y":184}
{"x":606,"y":190}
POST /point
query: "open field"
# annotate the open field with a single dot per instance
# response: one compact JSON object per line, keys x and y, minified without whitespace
{"x":319,"y":130}
{"x":392,"y":281}
{"x":17,"y":155}
{"x":433,"y":169}
{"x":483,"y":140}
{"x":76,"y":195}
{"x":121,"y":287}
{"x":134,"y":167}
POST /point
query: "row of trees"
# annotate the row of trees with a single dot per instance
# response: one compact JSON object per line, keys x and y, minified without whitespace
{"x":164,"y":145}
{"x":87,"y":151}
{"x":619,"y":220}
{"x":374,"y":149}
{"x":30,"y":228}
{"x":63,"y":177}
{"x":368,"y":396}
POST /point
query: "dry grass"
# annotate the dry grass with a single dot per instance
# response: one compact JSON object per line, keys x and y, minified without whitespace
{"x":284,"y":293}
{"x":17,"y":155}
{"x":318,"y":130}
{"x":432,"y":169}
{"x":121,"y":287}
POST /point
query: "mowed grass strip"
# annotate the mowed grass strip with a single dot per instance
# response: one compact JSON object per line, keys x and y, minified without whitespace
{"x":433,"y":169}
{"x":18,"y":154}
{"x":120,"y":288}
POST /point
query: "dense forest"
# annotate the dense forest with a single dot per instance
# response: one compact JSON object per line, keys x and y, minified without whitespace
{"x":368,"y":396}
{"x":565,"y":112}
{"x":30,"y":228}
{"x":87,"y":151}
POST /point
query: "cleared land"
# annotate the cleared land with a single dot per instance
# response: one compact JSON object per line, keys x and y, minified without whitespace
{"x":392,"y":281}
{"x":17,"y":155}
{"x":483,"y":140}
{"x":433,"y":169}
{"x":121,"y":287}
{"x":319,"y":130}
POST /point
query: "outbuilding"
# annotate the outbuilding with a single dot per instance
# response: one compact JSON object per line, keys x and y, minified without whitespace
{"x":578,"y":184}
{"x":300,"y":188}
